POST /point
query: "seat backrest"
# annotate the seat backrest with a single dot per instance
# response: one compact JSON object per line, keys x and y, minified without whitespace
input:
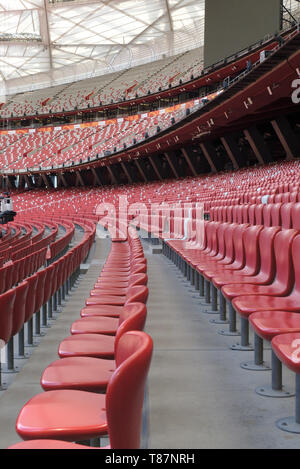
{"x":235,"y":214}
{"x":7,"y":300}
{"x":229,"y":214}
{"x":251,"y":214}
{"x":18,"y":272}
{"x":2,"y":279}
{"x":267,"y":254}
{"x":214,"y":238}
{"x":125,"y":391}
{"x":221,"y":240}
{"x":267,"y":215}
{"x":132,"y":318}
{"x":60,"y":272}
{"x":228,"y":237}
{"x":294,"y":197}
{"x":200,"y":233}
{"x":271,"y":199}
{"x":296,"y":216}
{"x":31,"y":297}
{"x":245,"y":214}
{"x":211,"y":235}
{"x":66,"y":264}
{"x":49,"y":272}
{"x":137,"y":294}
{"x":259,"y":214}
{"x":276,"y":215}
{"x":213,"y":214}
{"x":40,"y":291}
{"x":296,"y":263}
{"x":19,"y":307}
{"x":28,"y":265}
{"x":251,"y":244}
{"x":55,"y":277}
{"x":138,"y":269}
{"x":285,"y":198}
{"x":286,"y":216}
{"x":238,"y":246}
{"x":224,"y":215}
{"x":284,"y":277}
{"x":9,"y":276}
{"x":239,"y":214}
{"x":220,"y":213}
{"x":138,"y":279}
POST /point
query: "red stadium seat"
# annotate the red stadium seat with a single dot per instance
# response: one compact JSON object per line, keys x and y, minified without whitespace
{"x":76,"y":415}
{"x":93,"y":344}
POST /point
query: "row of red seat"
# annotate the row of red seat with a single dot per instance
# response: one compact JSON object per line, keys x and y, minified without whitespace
{"x":6,"y":238}
{"x":285,"y":215}
{"x":69,"y":146}
{"x":15,"y":272}
{"x":58,"y":246}
{"x":46,"y":287}
{"x":22,"y":244}
{"x":256,"y":270}
{"x":12,"y":242}
{"x":180,"y":223}
{"x":271,"y":195}
{"x":239,"y":186}
{"x":32,"y":257}
{"x":33,"y":247}
{"x":106,"y":353}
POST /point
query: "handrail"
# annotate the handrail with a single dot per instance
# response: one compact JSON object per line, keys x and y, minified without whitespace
{"x":258,"y":62}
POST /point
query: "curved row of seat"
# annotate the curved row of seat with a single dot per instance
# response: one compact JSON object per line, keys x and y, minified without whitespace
{"x":27,"y":255}
{"x":15,"y":272}
{"x":180,"y":222}
{"x":107,"y":353}
{"x":59,"y":245}
{"x":46,"y":288}
{"x":277,"y":214}
{"x":106,"y":89}
{"x":236,"y":187}
{"x":18,"y":235}
{"x":255,"y":269}
{"x":21,"y":235}
{"x":67,"y":146}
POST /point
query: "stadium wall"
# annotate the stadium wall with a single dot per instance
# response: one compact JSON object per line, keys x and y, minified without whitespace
{"x":232,"y":25}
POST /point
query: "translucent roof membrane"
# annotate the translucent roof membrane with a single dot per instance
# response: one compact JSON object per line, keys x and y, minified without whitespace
{"x":291,"y":12}
{"x":51,"y":42}
{"x":54,"y":42}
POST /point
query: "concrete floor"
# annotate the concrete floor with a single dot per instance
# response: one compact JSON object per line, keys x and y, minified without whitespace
{"x":197,"y":394}
{"x":199,"y":397}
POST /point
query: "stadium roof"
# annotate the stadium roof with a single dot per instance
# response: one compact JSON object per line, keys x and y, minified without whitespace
{"x":90,"y":37}
{"x":50,"y":42}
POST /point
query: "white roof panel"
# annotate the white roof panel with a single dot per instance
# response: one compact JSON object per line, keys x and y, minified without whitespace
{"x":52,"y":36}
{"x":47,"y":42}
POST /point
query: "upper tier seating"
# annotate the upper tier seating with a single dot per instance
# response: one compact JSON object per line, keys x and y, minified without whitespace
{"x":62,"y":146}
{"x":107,"y":89}
{"x":127,"y":84}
